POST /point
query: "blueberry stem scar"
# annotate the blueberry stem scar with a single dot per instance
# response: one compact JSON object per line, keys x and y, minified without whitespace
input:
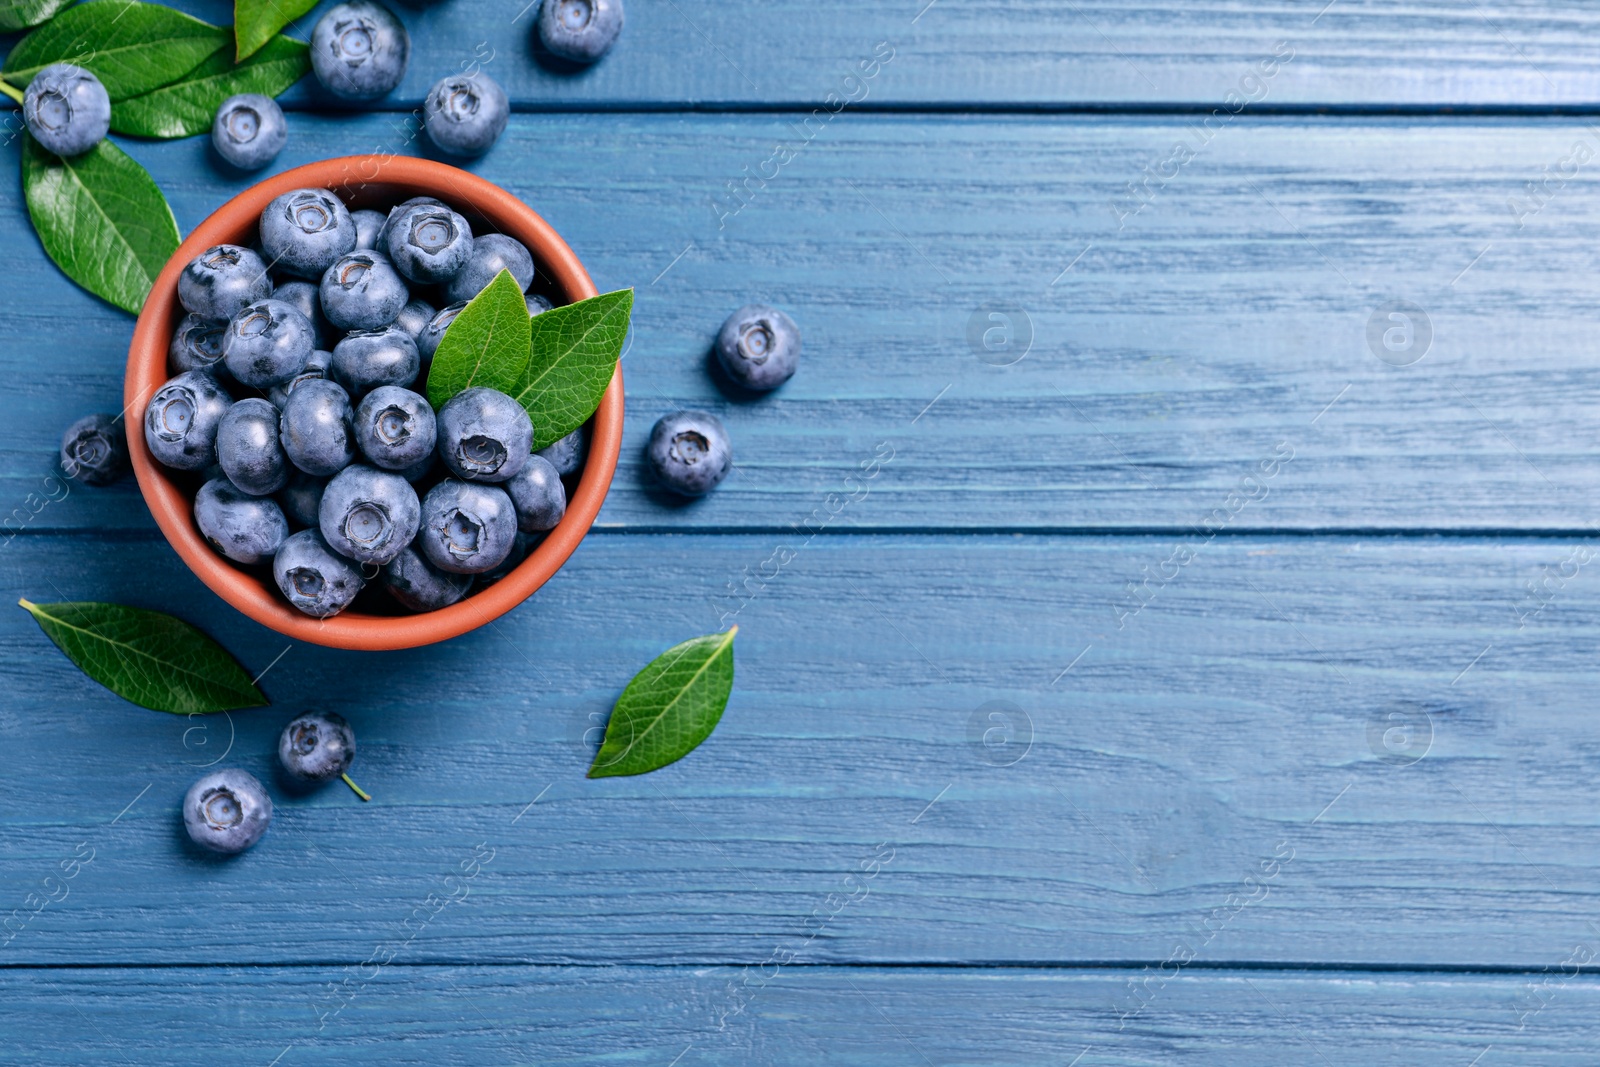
{"x":362,"y":793}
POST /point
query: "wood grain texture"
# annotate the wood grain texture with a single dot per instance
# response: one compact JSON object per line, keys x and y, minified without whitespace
{"x":1227,"y":318}
{"x":1228,"y":770}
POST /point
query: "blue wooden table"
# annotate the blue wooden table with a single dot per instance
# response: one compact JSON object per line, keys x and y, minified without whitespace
{"x":1206,"y":675}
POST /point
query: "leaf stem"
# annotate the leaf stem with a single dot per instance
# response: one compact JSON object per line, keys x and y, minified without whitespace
{"x":10,"y":90}
{"x":358,"y":790}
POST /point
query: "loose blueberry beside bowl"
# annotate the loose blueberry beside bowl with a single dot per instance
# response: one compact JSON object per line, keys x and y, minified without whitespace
{"x":580,"y":30}
{"x":359,"y":50}
{"x":313,"y":577}
{"x":465,"y":114}
{"x":689,"y":452}
{"x":66,"y":109}
{"x":319,"y":746}
{"x":94,"y":450}
{"x":227,"y":811}
{"x":249,"y":130}
{"x":759,"y":347}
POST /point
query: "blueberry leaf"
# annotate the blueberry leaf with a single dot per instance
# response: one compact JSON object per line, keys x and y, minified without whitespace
{"x":486,"y":345}
{"x":669,"y":707}
{"x":256,"y":21}
{"x":573,"y":355}
{"x":20,"y":14}
{"x":102,"y":218}
{"x":131,"y":47}
{"x":188,"y":106}
{"x":151,"y":659}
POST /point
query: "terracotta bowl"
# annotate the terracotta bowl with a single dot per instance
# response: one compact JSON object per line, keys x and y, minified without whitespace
{"x":378,"y":182}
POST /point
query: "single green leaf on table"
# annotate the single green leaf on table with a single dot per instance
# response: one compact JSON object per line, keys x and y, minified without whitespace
{"x":151,"y":659}
{"x":486,"y":345}
{"x":573,"y":355}
{"x":669,"y":707}
{"x":188,"y":106}
{"x":102,"y":218}
{"x":20,"y":14}
{"x":256,"y":21}
{"x":131,"y":47}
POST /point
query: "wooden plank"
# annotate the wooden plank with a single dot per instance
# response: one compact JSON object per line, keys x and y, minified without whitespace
{"x":1226,"y":322}
{"x":1340,"y":750}
{"x":466,"y":1015}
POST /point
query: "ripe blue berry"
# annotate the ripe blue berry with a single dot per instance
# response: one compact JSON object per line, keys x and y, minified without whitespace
{"x":467,"y":528}
{"x":227,"y":811}
{"x":245,"y":528}
{"x":362,"y":291}
{"x":315,"y":428}
{"x":419,"y":585}
{"x":519,"y":552}
{"x":248,"y":448}
{"x":66,"y":109}
{"x":382,"y":242}
{"x":538,"y":495}
{"x":181,"y":420}
{"x":395,"y":428}
{"x":301,"y":498}
{"x":313,"y":577}
{"x":249,"y":130}
{"x":307,"y":296}
{"x":759,"y":347}
{"x":267,"y":343}
{"x":220,"y":281}
{"x":367,"y":514}
{"x":690,"y":452}
{"x":429,"y":244}
{"x":305,"y":230}
{"x":366,"y":359}
{"x":94,"y":450}
{"x":580,"y":30}
{"x":414,"y":317}
{"x":537,"y":305}
{"x":567,"y":455}
{"x":359,"y":50}
{"x":368,"y":224}
{"x":428,"y":340}
{"x":491,"y":254}
{"x":316,"y":369}
{"x":484,"y":435}
{"x":317,"y":747}
{"x":465,"y":114}
{"x":197,"y":345}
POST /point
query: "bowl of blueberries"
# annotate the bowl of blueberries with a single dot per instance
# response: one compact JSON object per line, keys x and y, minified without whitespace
{"x":279,"y":426}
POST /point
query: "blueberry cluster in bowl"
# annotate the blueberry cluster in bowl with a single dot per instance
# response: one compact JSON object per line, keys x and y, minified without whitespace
{"x":298,"y":398}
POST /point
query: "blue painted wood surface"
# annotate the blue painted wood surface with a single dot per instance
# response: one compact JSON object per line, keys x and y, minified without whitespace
{"x":1209,"y":685}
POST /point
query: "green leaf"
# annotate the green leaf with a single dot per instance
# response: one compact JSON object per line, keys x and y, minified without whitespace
{"x":102,"y":218}
{"x":187,"y":107}
{"x":486,"y":345}
{"x":574,"y":353}
{"x":20,"y":14}
{"x":669,"y":707}
{"x":131,"y":47}
{"x":255,"y":21}
{"x":151,"y":659}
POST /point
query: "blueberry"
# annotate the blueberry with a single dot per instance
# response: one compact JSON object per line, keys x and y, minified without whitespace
{"x":227,"y":811}
{"x":467,"y":528}
{"x":421,"y":469}
{"x":689,"y":452}
{"x":419,"y":585}
{"x":521,"y":546}
{"x":537,"y":305}
{"x":465,"y":114}
{"x":301,"y":497}
{"x":538,"y":495}
{"x":368,"y":225}
{"x":491,"y":254}
{"x":317,"y":747}
{"x":181,"y":420}
{"x":267,"y":343}
{"x":316,"y":369}
{"x":245,"y":528}
{"x":362,"y":291}
{"x":759,"y":347}
{"x":382,"y":241}
{"x":580,"y":30}
{"x":415,"y":316}
{"x":197,"y":345}
{"x":305,"y":230}
{"x":428,"y":244}
{"x":94,"y":450}
{"x":359,"y":50}
{"x":366,"y":359}
{"x":220,"y":281}
{"x":249,"y":130}
{"x":484,"y":435}
{"x":428,"y":340}
{"x":394,"y":428}
{"x":66,"y":109}
{"x":313,"y":577}
{"x":567,"y":455}
{"x":248,"y":448}
{"x":368,"y":514}
{"x":315,"y":428}
{"x":307,"y":296}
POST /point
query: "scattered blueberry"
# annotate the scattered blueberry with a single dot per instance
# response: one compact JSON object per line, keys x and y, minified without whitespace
{"x":181,"y":420}
{"x":267,"y":343}
{"x":759,"y":347}
{"x":484,"y":435}
{"x":307,"y":296}
{"x":414,"y":317}
{"x":366,"y":359}
{"x":227,"y":811}
{"x":467,"y":528}
{"x":359,"y":50}
{"x":428,"y":340}
{"x":305,"y":230}
{"x":429,"y":244}
{"x":317,"y":747}
{"x":394,"y":428}
{"x":537,"y":305}
{"x":313,"y":577}
{"x":368,"y":225}
{"x":197,"y":345}
{"x":690,"y":452}
{"x":580,"y":30}
{"x":316,"y":368}
{"x":419,"y":585}
{"x":245,"y":528}
{"x":220,"y":281}
{"x":301,"y":497}
{"x":491,"y":254}
{"x":249,"y":130}
{"x":567,"y":455}
{"x":362,"y":291}
{"x":66,"y":109}
{"x":315,"y":428}
{"x":465,"y":114}
{"x":94,"y":450}
{"x":248,"y":448}
{"x":368,"y":514}
{"x":539,"y":496}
